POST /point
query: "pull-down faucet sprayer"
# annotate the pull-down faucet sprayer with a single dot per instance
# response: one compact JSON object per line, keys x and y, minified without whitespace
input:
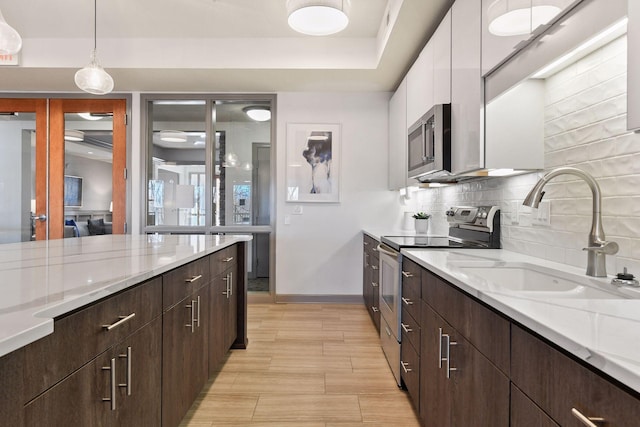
{"x":597,"y":246}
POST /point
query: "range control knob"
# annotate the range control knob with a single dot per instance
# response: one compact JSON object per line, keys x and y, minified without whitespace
{"x":450,"y":213}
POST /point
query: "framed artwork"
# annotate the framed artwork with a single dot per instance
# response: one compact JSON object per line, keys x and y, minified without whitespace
{"x":313,"y":163}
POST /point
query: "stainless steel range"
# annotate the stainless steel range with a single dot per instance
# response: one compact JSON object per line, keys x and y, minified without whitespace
{"x":470,"y":227}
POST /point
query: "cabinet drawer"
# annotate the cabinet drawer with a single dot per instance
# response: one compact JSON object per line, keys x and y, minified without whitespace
{"x":487,"y":330}
{"x":178,"y":283}
{"x":558,"y":384}
{"x":411,"y":287}
{"x":410,"y":372}
{"x":81,"y":336}
{"x":410,"y":330}
{"x":223,"y":260}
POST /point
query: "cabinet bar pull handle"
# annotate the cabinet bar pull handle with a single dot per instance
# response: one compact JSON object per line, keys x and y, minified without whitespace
{"x":198,"y":316}
{"x":193,"y":279}
{"x":122,"y":320}
{"x":407,"y":274}
{"x":112,"y":387}
{"x":404,"y":367}
{"x":587,"y":421}
{"x":387,"y":330}
{"x":228,"y":259}
{"x":375,"y":309}
{"x":406,"y":328}
{"x":191,"y":325}
{"x":366,"y":243}
{"x":230,"y":282}
{"x":374,"y":267}
{"x":128,"y":383}
{"x":448,"y":356}
{"x":440,"y":335}
{"x":374,"y":284}
{"x":407,"y":301}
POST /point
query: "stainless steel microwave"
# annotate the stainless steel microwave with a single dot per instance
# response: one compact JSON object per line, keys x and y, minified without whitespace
{"x":429,"y":144}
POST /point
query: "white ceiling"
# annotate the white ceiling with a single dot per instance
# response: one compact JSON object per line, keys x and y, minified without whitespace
{"x":214,"y":45}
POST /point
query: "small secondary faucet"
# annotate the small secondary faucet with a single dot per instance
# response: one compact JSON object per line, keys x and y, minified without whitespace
{"x":597,"y":246}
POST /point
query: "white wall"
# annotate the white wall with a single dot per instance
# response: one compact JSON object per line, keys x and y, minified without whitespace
{"x":320,"y":252}
{"x":585,"y":127}
{"x":96,"y":182}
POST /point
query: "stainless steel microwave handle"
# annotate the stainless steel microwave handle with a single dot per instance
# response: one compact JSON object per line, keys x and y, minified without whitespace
{"x":387,"y":251}
{"x":423,"y":127}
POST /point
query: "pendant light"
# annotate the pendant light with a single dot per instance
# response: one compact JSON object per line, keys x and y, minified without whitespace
{"x":10,"y":40}
{"x":318,"y":17}
{"x":93,"y":78}
{"x":519,"y":17}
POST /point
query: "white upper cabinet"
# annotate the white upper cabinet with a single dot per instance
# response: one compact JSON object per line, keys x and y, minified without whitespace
{"x":467,"y":142}
{"x":398,"y":138}
{"x":441,"y":41}
{"x":633,"y":66}
{"x":420,"y":85}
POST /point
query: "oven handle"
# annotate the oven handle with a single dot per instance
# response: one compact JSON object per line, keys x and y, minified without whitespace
{"x":386,"y":251}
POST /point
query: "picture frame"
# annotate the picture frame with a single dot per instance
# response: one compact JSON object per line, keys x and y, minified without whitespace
{"x":72,"y":191}
{"x":313,"y":162}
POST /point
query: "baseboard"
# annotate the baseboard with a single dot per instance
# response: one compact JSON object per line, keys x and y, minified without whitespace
{"x":319,"y":299}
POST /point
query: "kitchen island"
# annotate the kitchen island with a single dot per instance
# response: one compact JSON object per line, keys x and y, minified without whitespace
{"x":104,"y":330}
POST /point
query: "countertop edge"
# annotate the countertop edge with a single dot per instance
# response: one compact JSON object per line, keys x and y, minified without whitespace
{"x":41,"y":322}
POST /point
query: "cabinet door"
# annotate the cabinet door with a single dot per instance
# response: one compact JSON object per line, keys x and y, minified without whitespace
{"x":139,"y":370}
{"x":559,"y":384}
{"x":441,"y":40}
{"x":466,"y":87}
{"x":84,"y":398}
{"x":217,"y":325}
{"x":420,"y":85}
{"x":435,"y":399}
{"x":231,"y":323}
{"x":184,"y":356}
{"x":525,"y":413}
{"x":633,"y":66}
{"x":12,"y":392}
{"x":398,"y":138}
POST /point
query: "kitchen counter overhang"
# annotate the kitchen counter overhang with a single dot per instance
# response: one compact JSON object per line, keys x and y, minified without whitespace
{"x":47,"y":279}
{"x":605,"y":333}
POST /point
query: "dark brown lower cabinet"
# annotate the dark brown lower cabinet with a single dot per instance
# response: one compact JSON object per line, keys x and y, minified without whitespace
{"x":120,"y":387}
{"x":460,"y":386}
{"x":525,"y":413}
{"x":185,"y":367}
{"x":371,"y":279}
{"x":564,"y":388}
{"x":12,"y":389}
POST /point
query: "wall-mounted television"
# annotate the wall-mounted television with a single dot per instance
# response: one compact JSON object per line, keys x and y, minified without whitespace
{"x":72,"y":191}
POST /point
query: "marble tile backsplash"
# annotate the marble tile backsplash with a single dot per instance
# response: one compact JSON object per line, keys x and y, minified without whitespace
{"x":585,"y":127}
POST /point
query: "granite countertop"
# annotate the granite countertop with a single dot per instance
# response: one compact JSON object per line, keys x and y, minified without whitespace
{"x":603,"y":332}
{"x":46,"y":279}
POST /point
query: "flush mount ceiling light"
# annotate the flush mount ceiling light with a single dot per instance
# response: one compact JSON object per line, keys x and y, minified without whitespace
{"x":93,"y":78}
{"x":10,"y":40}
{"x":89,"y":116}
{"x":318,"y":17}
{"x":517,"y":17}
{"x":173,"y":136}
{"x":257,"y":113}
{"x":73,"y":135}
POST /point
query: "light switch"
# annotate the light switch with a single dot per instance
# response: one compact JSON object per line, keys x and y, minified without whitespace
{"x":287,"y":220}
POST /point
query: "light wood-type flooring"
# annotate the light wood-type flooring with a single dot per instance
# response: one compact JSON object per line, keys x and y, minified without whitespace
{"x":311,"y":365}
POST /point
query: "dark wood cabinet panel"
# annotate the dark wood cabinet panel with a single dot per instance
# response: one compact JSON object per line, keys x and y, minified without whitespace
{"x":184,"y":355}
{"x":98,"y":393}
{"x":178,"y":283}
{"x":410,"y":371}
{"x":411,"y":287}
{"x":12,"y":390}
{"x":223,"y":259}
{"x":371,"y":279}
{"x":558,"y":383}
{"x":487,"y":330}
{"x":411,"y":329}
{"x":81,"y":336}
{"x":525,"y":413}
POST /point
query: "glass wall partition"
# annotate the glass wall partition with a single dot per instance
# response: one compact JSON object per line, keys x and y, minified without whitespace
{"x":209,"y":170}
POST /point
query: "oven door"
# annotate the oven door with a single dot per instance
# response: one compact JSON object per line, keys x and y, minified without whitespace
{"x":390,"y":288}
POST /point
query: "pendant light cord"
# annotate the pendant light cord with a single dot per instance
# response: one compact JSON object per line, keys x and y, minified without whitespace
{"x":95,"y":24}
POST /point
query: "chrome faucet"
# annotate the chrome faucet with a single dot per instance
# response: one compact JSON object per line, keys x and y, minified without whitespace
{"x":597,"y":246}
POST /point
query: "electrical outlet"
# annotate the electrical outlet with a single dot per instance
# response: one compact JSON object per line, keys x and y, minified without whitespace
{"x":542,"y":215}
{"x":297,"y":210}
